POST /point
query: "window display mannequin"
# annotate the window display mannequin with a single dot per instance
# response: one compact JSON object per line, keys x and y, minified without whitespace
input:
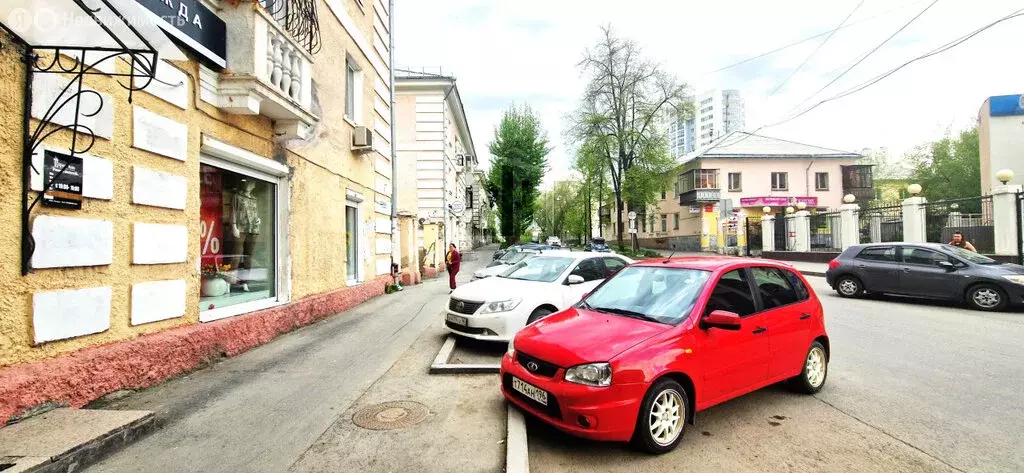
{"x":245,"y":227}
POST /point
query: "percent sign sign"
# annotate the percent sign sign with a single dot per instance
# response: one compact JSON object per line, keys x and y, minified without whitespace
{"x":211,"y":242}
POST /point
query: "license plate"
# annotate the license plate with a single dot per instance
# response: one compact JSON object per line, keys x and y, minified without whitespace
{"x":455,"y":319}
{"x":530,"y":391}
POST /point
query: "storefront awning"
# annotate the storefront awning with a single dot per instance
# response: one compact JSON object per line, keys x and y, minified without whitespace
{"x":109,"y":25}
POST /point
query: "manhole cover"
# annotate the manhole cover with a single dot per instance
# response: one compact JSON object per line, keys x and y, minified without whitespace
{"x":390,"y":415}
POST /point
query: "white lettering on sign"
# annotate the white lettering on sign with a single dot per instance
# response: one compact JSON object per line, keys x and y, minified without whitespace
{"x":199,"y":24}
{"x":183,"y":12}
{"x":169,"y":4}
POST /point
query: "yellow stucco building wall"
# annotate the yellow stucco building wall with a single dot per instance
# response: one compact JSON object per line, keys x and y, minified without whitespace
{"x":323,"y":170}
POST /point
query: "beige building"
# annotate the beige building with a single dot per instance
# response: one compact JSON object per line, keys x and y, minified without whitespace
{"x":439,"y":178}
{"x":245,"y":188}
{"x":706,"y":202}
{"x":1001,"y":139}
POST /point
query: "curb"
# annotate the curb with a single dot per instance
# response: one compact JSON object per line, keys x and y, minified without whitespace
{"x":89,"y":452}
{"x":441,"y":365}
{"x":517,"y":452}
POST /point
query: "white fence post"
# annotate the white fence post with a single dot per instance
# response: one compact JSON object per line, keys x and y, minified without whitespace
{"x":1004,"y":218}
{"x":876,"y":228}
{"x":849,"y":224}
{"x":767,"y":233}
{"x":914,"y":220}
{"x":801,"y":228}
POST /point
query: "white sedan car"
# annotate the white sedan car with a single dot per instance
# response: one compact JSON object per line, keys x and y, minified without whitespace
{"x":496,"y":308}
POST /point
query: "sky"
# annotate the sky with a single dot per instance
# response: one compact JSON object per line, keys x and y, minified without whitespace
{"x":527,"y":51}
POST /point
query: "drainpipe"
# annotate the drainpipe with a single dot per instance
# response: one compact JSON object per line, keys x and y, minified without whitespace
{"x":396,"y":245}
{"x":807,"y":180}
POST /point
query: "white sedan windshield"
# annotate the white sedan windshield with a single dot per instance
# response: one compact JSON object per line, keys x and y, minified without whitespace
{"x":541,"y":268}
{"x":661,"y":294}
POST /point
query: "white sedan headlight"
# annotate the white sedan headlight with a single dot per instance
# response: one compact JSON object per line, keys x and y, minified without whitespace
{"x":500,"y":306}
{"x":591,"y":374}
{"x":1015,"y":278}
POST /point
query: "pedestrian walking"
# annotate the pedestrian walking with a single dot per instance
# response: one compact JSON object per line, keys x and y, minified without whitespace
{"x":958,"y":240}
{"x":453,"y":260}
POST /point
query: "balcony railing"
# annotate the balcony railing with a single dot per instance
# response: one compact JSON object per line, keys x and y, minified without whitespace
{"x":271,"y":63}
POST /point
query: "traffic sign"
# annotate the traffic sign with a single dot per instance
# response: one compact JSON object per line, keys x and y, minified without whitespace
{"x":457,"y":207}
{"x":631,"y":215}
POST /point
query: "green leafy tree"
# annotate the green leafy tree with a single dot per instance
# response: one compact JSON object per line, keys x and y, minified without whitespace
{"x":519,"y":151}
{"x":625,"y":97}
{"x":949,"y":168}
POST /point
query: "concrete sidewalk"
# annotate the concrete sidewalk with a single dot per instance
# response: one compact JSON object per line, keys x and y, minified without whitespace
{"x":262,"y":410}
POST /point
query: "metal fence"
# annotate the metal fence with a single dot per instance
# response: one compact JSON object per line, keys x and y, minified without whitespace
{"x":755,"y":239}
{"x":971,"y":216}
{"x":783,"y":241}
{"x":826,"y":231}
{"x":881,"y":224}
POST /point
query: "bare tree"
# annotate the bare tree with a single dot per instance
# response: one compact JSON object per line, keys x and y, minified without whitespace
{"x":619,"y":116}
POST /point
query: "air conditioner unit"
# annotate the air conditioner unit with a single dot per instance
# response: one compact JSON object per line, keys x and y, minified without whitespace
{"x":362,"y":138}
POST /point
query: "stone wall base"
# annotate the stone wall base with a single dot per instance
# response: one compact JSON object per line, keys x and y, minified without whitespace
{"x":77,"y":378}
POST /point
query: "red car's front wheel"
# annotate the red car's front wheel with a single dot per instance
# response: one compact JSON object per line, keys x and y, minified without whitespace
{"x":812,"y":377}
{"x":662,"y":419}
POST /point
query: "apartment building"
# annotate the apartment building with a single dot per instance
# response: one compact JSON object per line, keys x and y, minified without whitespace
{"x":707,"y":200}
{"x":716,"y":113}
{"x":240,"y":173}
{"x":439,"y":178}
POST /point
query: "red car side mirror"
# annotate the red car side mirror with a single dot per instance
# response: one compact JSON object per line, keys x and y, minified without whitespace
{"x":722,"y":319}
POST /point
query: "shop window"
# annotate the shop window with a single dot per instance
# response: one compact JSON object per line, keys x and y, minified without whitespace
{"x":237,"y":238}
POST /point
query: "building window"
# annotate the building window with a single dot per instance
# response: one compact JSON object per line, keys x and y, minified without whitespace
{"x":469,"y":197}
{"x":675,"y":225}
{"x":238,"y":235}
{"x":663,"y":192}
{"x":352,"y":242}
{"x":675,"y":190}
{"x":735,"y":182}
{"x":780,"y":181}
{"x":350,"y":91}
{"x":821,"y":181}
{"x":664,"y":223}
{"x":699,"y":179}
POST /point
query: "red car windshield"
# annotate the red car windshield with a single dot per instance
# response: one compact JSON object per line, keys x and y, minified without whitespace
{"x":657,"y":293}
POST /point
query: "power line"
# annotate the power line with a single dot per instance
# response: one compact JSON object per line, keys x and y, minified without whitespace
{"x":879,"y":78}
{"x":869,"y":53}
{"x":820,"y":45}
{"x":759,"y":56}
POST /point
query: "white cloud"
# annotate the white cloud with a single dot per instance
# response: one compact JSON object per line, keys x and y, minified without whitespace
{"x":527,"y":51}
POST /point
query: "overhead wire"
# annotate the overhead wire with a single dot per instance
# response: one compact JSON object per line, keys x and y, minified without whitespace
{"x":820,"y":45}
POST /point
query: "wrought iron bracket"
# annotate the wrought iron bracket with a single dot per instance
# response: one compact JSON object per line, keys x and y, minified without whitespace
{"x":75,"y":63}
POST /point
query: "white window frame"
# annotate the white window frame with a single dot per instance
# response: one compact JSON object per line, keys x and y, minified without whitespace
{"x":229,"y":158}
{"x":817,"y":185}
{"x":356,"y":87}
{"x":785,"y":176}
{"x":360,"y":276}
{"x":739,"y":177}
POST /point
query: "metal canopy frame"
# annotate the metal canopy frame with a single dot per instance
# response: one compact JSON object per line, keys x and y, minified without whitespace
{"x":73,"y":61}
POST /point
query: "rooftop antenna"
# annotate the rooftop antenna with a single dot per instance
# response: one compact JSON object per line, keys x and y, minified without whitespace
{"x":670,"y":255}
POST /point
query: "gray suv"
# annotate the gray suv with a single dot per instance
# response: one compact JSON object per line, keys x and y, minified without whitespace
{"x":929,"y":270}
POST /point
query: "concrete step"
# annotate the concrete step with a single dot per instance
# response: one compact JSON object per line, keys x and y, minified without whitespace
{"x":64,"y":440}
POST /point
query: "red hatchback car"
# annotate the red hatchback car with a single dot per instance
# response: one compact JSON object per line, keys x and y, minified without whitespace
{"x":661,"y":340}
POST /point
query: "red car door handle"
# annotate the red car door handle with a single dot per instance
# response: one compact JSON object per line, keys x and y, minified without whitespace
{"x":805,"y":316}
{"x":760,"y":330}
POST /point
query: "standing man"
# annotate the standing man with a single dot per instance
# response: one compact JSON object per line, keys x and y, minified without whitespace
{"x":453,"y":260}
{"x":958,"y":240}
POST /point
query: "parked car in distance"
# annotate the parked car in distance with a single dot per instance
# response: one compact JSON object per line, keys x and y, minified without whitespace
{"x":927,"y":270}
{"x":663,"y":339}
{"x":554,"y":241}
{"x":599,"y":245}
{"x":496,"y":308}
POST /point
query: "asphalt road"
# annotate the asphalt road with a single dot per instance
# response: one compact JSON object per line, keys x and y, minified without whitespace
{"x":913,"y":387}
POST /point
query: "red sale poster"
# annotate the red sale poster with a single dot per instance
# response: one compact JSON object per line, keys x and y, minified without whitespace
{"x":211,"y":215}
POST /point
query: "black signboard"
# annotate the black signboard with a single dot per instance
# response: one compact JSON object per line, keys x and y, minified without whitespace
{"x":64,"y":188}
{"x":193,"y":24}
